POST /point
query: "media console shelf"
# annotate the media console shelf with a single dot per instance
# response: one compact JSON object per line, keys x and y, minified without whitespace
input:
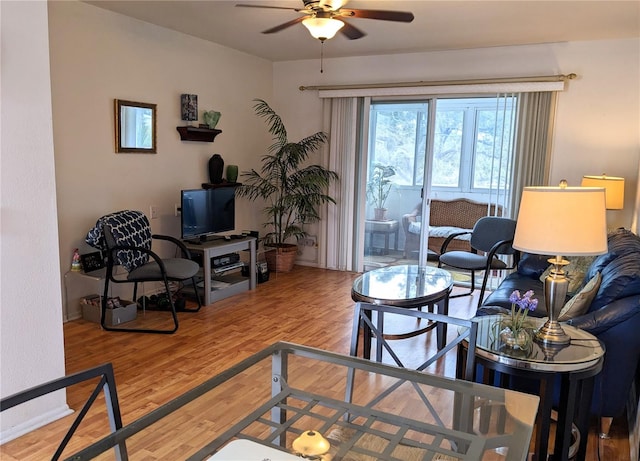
{"x":225,"y":281}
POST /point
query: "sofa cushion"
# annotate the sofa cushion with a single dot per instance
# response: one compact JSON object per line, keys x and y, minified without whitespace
{"x":440,"y":231}
{"x":532,"y":265}
{"x":580,"y":303}
{"x":446,"y":231}
{"x":620,"y":278}
{"x":622,"y":241}
{"x":415,"y":226}
{"x":599,"y":264}
{"x":514,"y":281}
{"x":619,"y":242}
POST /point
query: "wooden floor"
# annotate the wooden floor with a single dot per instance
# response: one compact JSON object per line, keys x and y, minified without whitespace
{"x":307,"y":306}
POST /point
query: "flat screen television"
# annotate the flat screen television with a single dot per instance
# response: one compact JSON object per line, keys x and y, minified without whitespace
{"x":206,"y":212}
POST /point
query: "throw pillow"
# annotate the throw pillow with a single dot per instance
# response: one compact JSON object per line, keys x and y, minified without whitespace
{"x":580,"y":303}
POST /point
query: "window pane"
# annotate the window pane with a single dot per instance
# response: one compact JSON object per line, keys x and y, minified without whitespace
{"x":492,"y":149}
{"x":397,"y":139}
{"x":447,"y":148}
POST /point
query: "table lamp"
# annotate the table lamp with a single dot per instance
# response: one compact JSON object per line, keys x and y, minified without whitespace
{"x":613,"y":187}
{"x":560,"y":221}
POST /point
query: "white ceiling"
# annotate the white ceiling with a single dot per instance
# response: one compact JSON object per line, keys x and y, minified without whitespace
{"x":438,"y":25}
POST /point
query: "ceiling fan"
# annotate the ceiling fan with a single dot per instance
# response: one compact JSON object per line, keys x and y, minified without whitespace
{"x":324,"y":18}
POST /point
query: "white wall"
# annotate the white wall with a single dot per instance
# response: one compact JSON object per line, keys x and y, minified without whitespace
{"x":98,"y":56}
{"x":31,"y":343}
{"x":598,"y":117}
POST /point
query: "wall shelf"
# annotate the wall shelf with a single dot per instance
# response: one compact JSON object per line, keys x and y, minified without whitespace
{"x":224,"y":183}
{"x":193,"y":133}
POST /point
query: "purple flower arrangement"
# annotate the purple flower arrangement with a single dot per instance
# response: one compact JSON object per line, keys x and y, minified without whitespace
{"x":520,"y":307}
{"x":514,"y":326}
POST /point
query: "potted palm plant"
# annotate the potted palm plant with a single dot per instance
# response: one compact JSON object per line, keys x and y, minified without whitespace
{"x":378,"y":188}
{"x":292,"y":190}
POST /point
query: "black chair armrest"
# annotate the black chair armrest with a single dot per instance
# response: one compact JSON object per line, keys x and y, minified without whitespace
{"x":179,"y":243}
{"x":494,"y":251}
{"x":445,"y":244}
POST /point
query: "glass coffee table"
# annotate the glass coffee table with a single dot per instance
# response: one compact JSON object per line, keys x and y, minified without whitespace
{"x":409,"y":286}
{"x":257,"y":409}
{"x":572,"y":368}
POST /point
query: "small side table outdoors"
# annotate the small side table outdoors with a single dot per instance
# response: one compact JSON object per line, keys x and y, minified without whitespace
{"x":386,"y":228}
{"x":409,"y":286}
{"x":576,"y":364}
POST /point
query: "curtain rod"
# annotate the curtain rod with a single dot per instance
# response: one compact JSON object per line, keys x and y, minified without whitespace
{"x":363,"y":86}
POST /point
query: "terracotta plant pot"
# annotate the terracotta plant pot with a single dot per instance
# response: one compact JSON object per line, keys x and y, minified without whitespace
{"x":281,"y":258}
{"x":380,"y":214}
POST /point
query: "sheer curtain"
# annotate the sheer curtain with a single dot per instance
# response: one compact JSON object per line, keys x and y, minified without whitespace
{"x":501,"y":167}
{"x":522,"y":149}
{"x":343,"y":154}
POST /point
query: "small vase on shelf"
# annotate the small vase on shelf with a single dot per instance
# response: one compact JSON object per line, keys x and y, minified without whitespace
{"x":216,"y":167}
{"x":232,"y":173}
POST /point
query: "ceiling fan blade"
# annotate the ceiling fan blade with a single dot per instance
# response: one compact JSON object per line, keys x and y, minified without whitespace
{"x":385,"y":15}
{"x":351,"y":32}
{"x":284,"y":26}
{"x":270,"y":7}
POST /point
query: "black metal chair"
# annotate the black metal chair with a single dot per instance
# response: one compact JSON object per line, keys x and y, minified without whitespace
{"x":106,"y":384}
{"x":126,"y":237}
{"x":491,"y":237}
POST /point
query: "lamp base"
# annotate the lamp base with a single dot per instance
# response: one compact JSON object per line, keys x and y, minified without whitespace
{"x":552,"y":333}
{"x":555,"y":293}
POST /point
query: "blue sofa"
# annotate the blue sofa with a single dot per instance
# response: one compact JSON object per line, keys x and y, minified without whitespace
{"x":613,"y":316}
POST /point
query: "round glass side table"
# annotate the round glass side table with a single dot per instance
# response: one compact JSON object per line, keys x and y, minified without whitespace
{"x":409,"y":286}
{"x":572,"y":367}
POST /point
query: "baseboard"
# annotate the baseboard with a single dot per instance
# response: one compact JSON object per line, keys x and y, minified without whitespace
{"x":34,"y":423}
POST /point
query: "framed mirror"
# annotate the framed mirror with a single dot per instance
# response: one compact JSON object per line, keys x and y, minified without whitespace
{"x":135,"y":127}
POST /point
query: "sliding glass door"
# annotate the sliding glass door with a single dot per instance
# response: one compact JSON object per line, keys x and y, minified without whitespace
{"x":434,"y":148}
{"x":396,"y":165}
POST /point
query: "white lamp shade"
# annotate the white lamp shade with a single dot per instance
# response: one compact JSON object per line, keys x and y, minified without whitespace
{"x":323,"y":28}
{"x":568,"y":221}
{"x":614,"y":189}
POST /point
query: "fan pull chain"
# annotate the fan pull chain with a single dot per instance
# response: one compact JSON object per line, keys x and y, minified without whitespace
{"x":321,"y":56}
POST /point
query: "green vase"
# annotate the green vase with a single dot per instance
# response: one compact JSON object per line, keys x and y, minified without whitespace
{"x":232,"y":173}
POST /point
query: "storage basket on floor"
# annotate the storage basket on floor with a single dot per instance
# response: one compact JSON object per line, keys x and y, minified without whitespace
{"x":281,"y":258}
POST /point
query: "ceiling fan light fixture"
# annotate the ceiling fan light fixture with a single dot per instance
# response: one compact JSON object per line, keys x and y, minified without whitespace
{"x":322,"y":28}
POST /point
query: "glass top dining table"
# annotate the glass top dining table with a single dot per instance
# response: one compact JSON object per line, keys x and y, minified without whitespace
{"x":256,"y":409}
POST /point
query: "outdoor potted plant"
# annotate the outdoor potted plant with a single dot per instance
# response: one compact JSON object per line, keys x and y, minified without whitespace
{"x":378,"y":188}
{"x":292,"y":190}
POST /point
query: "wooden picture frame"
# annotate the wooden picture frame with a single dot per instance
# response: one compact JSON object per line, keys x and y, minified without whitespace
{"x":135,"y":127}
